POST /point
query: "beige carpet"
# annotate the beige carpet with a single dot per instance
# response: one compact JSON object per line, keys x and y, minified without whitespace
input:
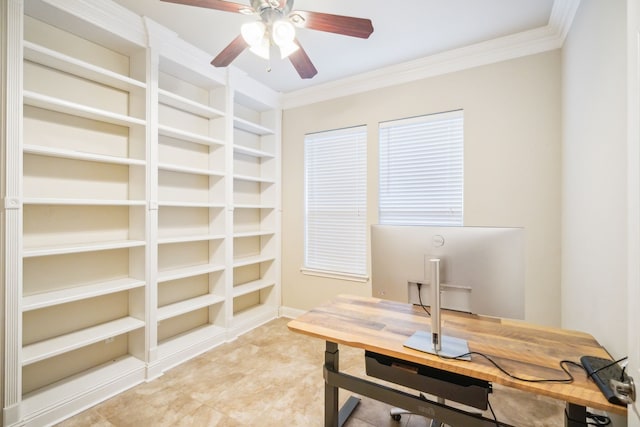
{"x":273,"y":377}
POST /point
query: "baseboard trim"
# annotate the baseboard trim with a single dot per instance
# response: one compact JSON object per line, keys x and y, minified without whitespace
{"x":290,"y":312}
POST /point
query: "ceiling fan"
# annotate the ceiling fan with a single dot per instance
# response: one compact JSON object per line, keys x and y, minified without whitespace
{"x":276,"y":28}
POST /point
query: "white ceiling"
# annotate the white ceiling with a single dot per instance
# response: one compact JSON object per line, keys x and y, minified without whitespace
{"x":405,"y":30}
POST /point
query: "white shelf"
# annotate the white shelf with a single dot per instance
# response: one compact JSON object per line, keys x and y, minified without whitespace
{"x":190,"y":170}
{"x":256,"y":259}
{"x":59,"y":61}
{"x":253,"y":206}
{"x":188,"y":136}
{"x":55,"y":104}
{"x":79,"y":155}
{"x":254,"y":179}
{"x":52,"y":347}
{"x":240,"y":149}
{"x":187,"y":306}
{"x":62,"y":296}
{"x":186,"y":239}
{"x":81,"y":202}
{"x":75,"y":387}
{"x":80,"y":247}
{"x":190,"y":204}
{"x":247,"y":288}
{"x":190,"y":339}
{"x":181,"y":273}
{"x":185,"y":104}
{"x":251,"y":127}
{"x":250,"y":317}
{"x":256,"y":233}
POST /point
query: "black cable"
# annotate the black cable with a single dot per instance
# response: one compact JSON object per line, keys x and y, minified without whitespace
{"x":609,"y":365}
{"x":598,"y":420}
{"x":420,"y":299}
{"x":515,"y":377}
{"x":493,"y":413}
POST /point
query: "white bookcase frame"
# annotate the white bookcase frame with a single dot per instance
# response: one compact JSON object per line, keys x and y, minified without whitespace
{"x":255,"y":212}
{"x":141,"y":200}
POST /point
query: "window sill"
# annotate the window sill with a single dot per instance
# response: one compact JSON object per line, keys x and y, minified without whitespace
{"x":335,"y":275}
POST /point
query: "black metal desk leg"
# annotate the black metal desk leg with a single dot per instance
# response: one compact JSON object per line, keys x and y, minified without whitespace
{"x":332,"y":416}
{"x":575,"y":415}
{"x":331,"y":392}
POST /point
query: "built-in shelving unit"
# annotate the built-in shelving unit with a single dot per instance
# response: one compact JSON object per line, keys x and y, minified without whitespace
{"x":256,"y":198}
{"x":192,"y":199}
{"x":84,"y":200}
{"x":142,"y":206}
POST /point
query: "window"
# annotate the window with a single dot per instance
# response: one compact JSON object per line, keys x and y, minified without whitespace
{"x":421,"y":170}
{"x":336,"y":202}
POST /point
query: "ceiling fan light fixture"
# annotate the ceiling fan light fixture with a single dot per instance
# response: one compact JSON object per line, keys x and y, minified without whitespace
{"x":288,"y":49}
{"x":253,"y":33}
{"x":262,"y":48}
{"x":283,"y":32}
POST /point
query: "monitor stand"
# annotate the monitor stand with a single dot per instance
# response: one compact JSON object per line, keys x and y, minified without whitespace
{"x":449,"y":347}
{"x":435,"y":342}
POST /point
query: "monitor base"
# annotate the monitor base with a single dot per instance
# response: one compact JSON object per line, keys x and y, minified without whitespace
{"x":450,"y":347}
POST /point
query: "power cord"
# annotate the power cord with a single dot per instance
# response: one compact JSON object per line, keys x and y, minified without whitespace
{"x":493,"y":413}
{"x":598,"y":420}
{"x":568,"y":380}
{"x":419,"y":285}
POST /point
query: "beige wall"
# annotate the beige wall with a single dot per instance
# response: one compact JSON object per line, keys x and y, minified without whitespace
{"x":594,"y":179}
{"x":512,"y":166}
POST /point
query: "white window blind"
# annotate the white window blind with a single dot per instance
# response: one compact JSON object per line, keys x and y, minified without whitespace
{"x":421,"y":170}
{"x":335,"y":201}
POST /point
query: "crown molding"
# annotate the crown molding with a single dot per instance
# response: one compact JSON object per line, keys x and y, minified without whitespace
{"x":525,"y":43}
{"x":562,"y":15}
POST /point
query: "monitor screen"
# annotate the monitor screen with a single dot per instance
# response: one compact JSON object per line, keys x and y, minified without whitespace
{"x":482,"y":269}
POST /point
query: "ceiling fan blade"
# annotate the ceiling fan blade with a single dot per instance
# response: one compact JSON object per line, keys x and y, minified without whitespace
{"x":229,"y":53}
{"x":214,"y":4}
{"x":302,"y":63}
{"x":339,"y":24}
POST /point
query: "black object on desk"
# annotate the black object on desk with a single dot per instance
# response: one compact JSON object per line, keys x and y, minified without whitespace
{"x":601,"y":371}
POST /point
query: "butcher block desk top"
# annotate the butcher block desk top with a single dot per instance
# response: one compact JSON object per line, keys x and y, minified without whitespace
{"x":522,"y":349}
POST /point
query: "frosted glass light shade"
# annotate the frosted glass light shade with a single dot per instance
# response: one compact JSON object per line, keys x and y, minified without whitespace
{"x":253,"y":32}
{"x":262,"y":48}
{"x":283,"y":33}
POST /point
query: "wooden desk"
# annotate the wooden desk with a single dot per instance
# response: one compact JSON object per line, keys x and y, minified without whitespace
{"x":523,"y":349}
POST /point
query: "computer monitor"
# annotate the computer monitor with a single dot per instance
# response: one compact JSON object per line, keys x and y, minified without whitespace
{"x":474,"y":269}
{"x":482,"y":269}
